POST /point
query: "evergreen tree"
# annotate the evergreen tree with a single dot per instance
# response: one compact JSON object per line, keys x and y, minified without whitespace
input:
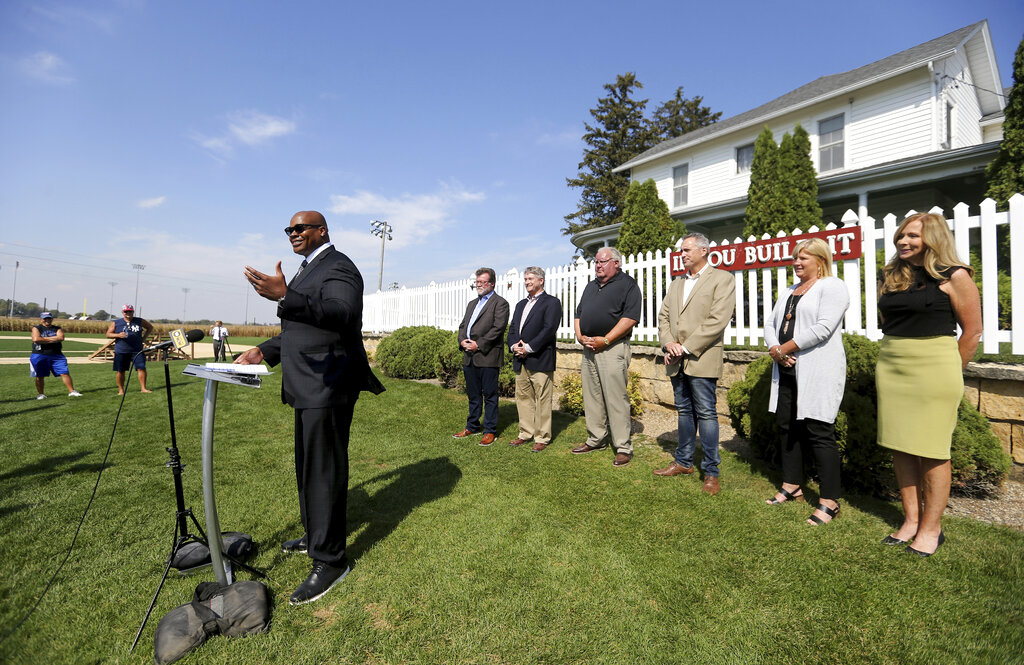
{"x":619,"y":133}
{"x":646,"y":224}
{"x":678,"y":116}
{"x":1005,"y":174}
{"x":798,"y":184}
{"x":763,"y":204}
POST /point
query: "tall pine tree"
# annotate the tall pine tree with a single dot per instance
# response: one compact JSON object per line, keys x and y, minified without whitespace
{"x":646,"y":224}
{"x":678,"y":116}
{"x":620,"y":132}
{"x":762,"y":194}
{"x":1005,"y":174}
{"x":799,"y":184}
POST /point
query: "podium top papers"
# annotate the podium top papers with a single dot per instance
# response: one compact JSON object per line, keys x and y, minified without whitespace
{"x":238,"y":369}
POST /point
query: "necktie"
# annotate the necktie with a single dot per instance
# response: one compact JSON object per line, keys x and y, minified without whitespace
{"x":302,"y":266}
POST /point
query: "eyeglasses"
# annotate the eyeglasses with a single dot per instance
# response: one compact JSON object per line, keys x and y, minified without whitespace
{"x":301,"y":228}
{"x":601,"y":263}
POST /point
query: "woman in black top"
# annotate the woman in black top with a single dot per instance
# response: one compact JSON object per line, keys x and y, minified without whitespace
{"x":926,"y":291}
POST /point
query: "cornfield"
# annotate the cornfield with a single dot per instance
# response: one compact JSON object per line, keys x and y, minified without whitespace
{"x":100,"y":327}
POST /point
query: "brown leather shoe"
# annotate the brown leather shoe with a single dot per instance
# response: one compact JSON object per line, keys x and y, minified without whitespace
{"x":487,"y":439}
{"x":538,"y":446}
{"x":710,"y":485}
{"x":463,"y":434}
{"x":583,"y":449}
{"x":674,"y":469}
{"x":622,"y":459}
{"x":517,"y":442}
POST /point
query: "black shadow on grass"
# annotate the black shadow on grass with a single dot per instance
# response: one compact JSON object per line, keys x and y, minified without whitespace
{"x":410,"y":486}
{"x":47,"y":465}
{"x":47,"y":405}
{"x":10,"y":510}
{"x":560,"y":421}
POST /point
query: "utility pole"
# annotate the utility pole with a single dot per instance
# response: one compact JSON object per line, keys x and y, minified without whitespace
{"x":382,"y":229}
{"x":184,"y":305}
{"x":112,"y":285}
{"x":138,"y":268}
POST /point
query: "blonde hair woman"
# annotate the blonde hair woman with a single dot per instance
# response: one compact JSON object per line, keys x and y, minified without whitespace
{"x":809,"y":375}
{"x":926,"y":291}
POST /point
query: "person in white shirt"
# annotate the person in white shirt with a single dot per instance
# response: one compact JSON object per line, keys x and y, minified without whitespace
{"x":219,"y":334}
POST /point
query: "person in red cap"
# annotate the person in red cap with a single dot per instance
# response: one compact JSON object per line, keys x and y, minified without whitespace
{"x":131,"y":334}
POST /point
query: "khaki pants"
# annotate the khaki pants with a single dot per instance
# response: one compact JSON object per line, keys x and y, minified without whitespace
{"x":533,"y":401}
{"x":605,"y":401}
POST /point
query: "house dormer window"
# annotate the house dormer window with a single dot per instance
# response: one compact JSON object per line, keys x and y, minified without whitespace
{"x":680,"y":184}
{"x":744,"y":158}
{"x":830,"y":143}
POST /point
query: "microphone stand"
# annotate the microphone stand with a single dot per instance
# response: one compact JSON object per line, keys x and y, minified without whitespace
{"x":182,"y":536}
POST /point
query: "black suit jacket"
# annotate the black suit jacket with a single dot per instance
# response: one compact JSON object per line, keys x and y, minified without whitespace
{"x":539,"y":332}
{"x":487,"y":332}
{"x":320,"y":346}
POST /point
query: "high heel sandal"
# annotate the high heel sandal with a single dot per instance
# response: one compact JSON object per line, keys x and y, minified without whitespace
{"x":832,"y":514}
{"x":789,"y":496}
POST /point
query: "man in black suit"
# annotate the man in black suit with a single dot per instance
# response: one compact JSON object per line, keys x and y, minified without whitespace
{"x":531,"y":338}
{"x":321,"y":351}
{"x":480,"y":336}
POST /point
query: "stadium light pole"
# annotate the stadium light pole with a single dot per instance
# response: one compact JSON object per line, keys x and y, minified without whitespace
{"x":112,"y":285}
{"x":184,"y":305}
{"x":14,"y":289}
{"x":138,"y":268}
{"x":383,"y":229}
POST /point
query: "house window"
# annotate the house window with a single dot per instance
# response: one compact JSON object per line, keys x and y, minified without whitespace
{"x":744,"y":158}
{"x":680,"y":183}
{"x":830,"y":143}
{"x":948,"y":143}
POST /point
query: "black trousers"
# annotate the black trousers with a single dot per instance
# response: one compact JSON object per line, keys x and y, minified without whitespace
{"x":797,"y":435}
{"x":321,"y":472}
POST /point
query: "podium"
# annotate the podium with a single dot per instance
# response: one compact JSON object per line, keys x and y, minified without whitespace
{"x":215,"y":374}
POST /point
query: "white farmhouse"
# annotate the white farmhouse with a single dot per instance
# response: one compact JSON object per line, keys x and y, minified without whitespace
{"x":913,"y":130}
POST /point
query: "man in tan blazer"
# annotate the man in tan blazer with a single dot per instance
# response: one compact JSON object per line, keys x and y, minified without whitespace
{"x":691,"y":329}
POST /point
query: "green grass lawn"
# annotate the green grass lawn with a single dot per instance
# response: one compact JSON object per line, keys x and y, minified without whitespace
{"x":465,"y":554}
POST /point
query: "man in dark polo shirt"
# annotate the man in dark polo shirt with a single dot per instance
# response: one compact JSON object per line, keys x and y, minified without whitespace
{"x":608,"y":309}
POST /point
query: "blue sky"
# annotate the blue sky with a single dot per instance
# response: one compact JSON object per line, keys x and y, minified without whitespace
{"x":183,"y":135}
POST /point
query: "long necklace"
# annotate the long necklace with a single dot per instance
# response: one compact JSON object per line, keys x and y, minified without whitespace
{"x":791,"y":304}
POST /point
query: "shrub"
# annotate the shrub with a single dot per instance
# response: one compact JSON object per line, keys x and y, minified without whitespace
{"x":411,"y":352}
{"x":571,"y":399}
{"x":448,"y":366}
{"x":979,"y":463}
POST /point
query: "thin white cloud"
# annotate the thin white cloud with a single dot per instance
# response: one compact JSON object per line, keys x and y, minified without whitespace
{"x":248,"y":127}
{"x":253,"y":127}
{"x":72,"y":16}
{"x":46,"y":67}
{"x":566,"y":138}
{"x":414,"y":217}
{"x":154,"y":202}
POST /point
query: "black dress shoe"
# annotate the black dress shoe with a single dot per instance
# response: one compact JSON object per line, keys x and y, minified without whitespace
{"x":320,"y":580}
{"x":889,"y":540}
{"x":295,"y":546}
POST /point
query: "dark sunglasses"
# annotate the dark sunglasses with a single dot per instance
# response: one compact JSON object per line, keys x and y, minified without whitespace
{"x":301,"y":228}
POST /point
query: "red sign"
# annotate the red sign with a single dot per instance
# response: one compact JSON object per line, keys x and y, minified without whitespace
{"x":774,"y":252}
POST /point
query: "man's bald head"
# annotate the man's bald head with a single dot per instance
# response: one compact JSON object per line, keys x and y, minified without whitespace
{"x":314,"y":232}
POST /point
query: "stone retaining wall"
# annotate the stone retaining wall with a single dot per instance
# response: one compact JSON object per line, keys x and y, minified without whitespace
{"x":996,"y":390}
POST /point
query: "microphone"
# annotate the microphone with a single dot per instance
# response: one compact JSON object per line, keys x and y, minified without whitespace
{"x":178,"y":340}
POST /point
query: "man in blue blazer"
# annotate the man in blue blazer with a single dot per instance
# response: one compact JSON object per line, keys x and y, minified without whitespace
{"x":321,"y":352}
{"x":480,"y":336}
{"x":531,"y":338}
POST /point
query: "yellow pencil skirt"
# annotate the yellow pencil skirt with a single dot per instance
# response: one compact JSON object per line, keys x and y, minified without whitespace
{"x":920,"y":384}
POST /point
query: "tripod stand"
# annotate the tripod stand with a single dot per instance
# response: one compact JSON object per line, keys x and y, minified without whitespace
{"x":182,"y":536}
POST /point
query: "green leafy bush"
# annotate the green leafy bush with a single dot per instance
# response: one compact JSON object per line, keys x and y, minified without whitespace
{"x":448,"y":366}
{"x":979,"y":463}
{"x":571,"y":399}
{"x":411,"y":352}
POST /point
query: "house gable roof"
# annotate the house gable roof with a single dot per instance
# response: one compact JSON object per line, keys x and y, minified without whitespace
{"x":829,"y":86}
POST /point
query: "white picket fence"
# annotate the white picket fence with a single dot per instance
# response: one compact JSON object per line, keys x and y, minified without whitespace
{"x":442,"y":305}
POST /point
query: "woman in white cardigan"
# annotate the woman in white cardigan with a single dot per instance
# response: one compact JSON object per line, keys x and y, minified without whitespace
{"x":809,"y":375}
